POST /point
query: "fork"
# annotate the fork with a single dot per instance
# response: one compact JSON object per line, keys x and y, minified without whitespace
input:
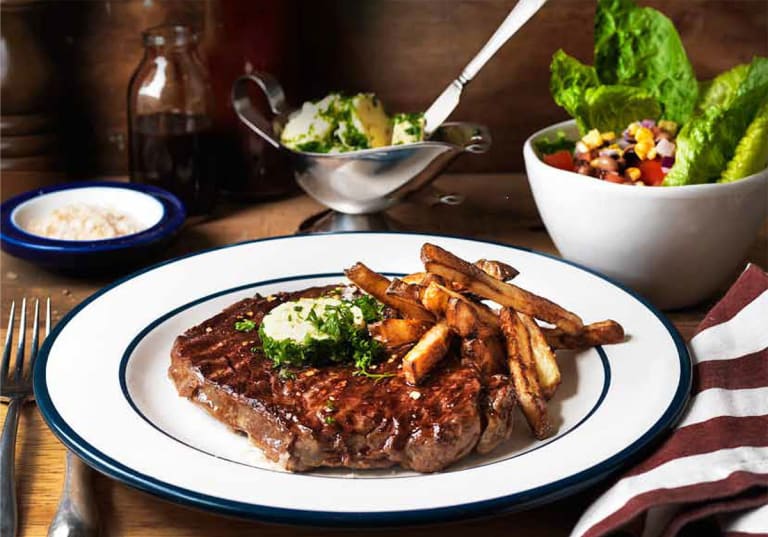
{"x":15,"y":389}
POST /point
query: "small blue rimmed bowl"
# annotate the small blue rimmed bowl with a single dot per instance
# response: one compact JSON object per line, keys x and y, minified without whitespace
{"x":158,"y":213}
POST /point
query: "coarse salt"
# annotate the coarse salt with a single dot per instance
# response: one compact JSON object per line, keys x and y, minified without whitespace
{"x":82,"y":222}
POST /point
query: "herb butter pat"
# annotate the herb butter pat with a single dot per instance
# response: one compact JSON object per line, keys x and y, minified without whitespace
{"x":337,"y":124}
{"x":310,"y":127}
{"x":324,"y":330}
{"x":407,"y":128}
{"x":364,"y":123}
{"x":298,"y":320}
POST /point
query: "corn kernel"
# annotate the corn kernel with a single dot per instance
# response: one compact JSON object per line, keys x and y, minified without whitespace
{"x":633,"y":173}
{"x":642,"y":148}
{"x":593,"y":139}
{"x":651,"y":154}
{"x":632,"y":129}
{"x":608,"y":136}
{"x":644,"y":134}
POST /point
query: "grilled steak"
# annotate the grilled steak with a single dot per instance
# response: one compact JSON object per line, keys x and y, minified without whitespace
{"x":306,"y":418}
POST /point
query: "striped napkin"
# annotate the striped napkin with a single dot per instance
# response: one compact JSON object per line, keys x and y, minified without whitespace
{"x":713,"y":469}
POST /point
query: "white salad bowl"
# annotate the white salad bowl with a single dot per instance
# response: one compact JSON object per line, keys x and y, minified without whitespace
{"x":675,"y":245}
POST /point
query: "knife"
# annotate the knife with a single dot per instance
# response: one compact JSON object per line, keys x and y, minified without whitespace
{"x":449,"y":99}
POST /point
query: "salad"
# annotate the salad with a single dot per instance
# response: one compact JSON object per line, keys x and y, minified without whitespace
{"x":645,"y":119}
{"x":641,"y":155}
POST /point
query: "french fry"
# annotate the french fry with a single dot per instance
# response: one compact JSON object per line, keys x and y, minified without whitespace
{"x":452,"y":268}
{"x":408,"y":291}
{"x":547,"y":369}
{"x":487,"y":352}
{"x":464,"y":318}
{"x":435,"y":298}
{"x":600,"y":333}
{"x":394,"y":333}
{"x":429,"y":350}
{"x":496,"y":269}
{"x":416,"y":277}
{"x":376,"y":285}
{"x":522,"y":370}
{"x":422,"y":278}
{"x":429,"y":278}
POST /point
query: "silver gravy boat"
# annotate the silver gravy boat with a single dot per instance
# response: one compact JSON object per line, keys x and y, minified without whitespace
{"x":358,"y":185}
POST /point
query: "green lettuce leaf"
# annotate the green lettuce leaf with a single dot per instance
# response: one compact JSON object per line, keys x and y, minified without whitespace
{"x":751,"y":154}
{"x":545,"y":146}
{"x":640,"y":47}
{"x":699,"y":157}
{"x":721,"y":90}
{"x":612,"y":108}
{"x":708,"y":141}
{"x":569,"y":81}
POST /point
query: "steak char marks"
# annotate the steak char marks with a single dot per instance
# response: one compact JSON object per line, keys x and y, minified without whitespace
{"x":328,"y":416}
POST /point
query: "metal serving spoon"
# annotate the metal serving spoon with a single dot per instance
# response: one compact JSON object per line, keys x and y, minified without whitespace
{"x":449,"y":99}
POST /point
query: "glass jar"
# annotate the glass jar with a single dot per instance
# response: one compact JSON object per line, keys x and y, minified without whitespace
{"x":169,"y":119}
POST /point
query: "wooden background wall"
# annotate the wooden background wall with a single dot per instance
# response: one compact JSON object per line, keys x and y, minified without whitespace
{"x":405,"y":50}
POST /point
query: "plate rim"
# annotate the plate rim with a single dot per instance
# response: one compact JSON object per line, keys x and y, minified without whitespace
{"x":516,"y":501}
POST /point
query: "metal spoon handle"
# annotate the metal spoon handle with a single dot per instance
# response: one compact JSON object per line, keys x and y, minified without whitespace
{"x":247,"y":112}
{"x":524,"y":10}
{"x":76,"y":515}
{"x":8,"y":511}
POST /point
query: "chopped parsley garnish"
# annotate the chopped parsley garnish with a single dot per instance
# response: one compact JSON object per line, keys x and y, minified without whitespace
{"x":313,"y":146}
{"x":416,"y":119}
{"x":354,"y":139}
{"x":245,"y":325}
{"x":329,"y":420}
{"x":372,"y":309}
{"x":413,"y":130}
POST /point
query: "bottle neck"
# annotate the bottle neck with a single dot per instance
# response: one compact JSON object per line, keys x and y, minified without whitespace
{"x":154,"y":51}
{"x":169,"y":39}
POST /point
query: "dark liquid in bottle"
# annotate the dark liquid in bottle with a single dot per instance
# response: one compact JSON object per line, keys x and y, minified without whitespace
{"x":174,"y":151}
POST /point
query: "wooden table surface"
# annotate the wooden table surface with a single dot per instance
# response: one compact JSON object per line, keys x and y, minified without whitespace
{"x":498,"y":207}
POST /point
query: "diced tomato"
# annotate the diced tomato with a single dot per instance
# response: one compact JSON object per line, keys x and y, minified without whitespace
{"x":561,"y":159}
{"x":651,"y":172}
{"x":614,"y":178}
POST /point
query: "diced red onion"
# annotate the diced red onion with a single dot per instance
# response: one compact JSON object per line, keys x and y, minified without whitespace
{"x":667,"y":162}
{"x":665,"y":148}
{"x":623,"y":143}
{"x":648,"y":123}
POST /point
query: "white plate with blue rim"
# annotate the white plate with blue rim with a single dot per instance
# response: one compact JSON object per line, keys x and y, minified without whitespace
{"x":101,"y":384}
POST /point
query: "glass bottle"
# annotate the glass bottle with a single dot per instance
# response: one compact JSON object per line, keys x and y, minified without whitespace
{"x":240,"y":37}
{"x":169,"y":119}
